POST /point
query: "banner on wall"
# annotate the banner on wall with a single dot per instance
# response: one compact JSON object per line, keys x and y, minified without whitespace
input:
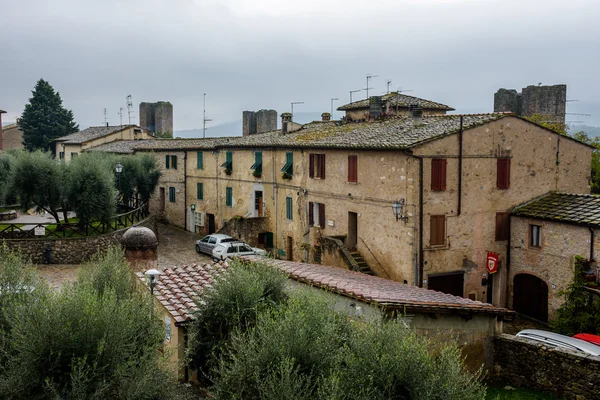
{"x":492,"y":262}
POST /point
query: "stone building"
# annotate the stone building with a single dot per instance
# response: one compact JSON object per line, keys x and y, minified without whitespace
{"x":261,"y":121}
{"x":11,"y":137}
{"x":157,"y":118}
{"x":71,"y":145}
{"x":545,"y":236}
{"x":550,"y":101}
{"x":394,"y":103}
{"x":326,"y":192}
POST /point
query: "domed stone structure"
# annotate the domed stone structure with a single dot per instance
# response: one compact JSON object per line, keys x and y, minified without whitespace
{"x":140,"y":244}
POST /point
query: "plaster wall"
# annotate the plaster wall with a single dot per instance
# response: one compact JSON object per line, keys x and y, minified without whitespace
{"x":364,"y":113}
{"x":128,"y":133}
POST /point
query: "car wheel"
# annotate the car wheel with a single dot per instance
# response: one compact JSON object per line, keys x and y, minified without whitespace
{"x":215,"y":259}
{"x":197,"y":249}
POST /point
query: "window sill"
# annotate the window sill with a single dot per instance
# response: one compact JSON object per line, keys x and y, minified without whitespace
{"x":437,"y":247}
{"x":353,"y":183}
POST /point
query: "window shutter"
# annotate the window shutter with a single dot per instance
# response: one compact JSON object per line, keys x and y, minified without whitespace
{"x":174,"y":162}
{"x":444,"y":163}
{"x":288,"y":208}
{"x":322,"y":215}
{"x":353,"y":169}
{"x":200,"y":189}
{"x":228,"y":197}
{"x":503,"y":173}
{"x":289,"y":158}
{"x":437,"y":230}
{"x":311,"y":165}
{"x":199,"y":160}
{"x":507,"y":172}
{"x":311,"y":215}
{"x":438,"y":174}
{"x":502,"y":221}
{"x":322,"y":166}
{"x":167,"y":164}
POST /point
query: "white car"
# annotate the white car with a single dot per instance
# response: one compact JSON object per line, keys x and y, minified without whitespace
{"x":208,"y":243}
{"x":233,"y":249}
{"x":552,"y":339}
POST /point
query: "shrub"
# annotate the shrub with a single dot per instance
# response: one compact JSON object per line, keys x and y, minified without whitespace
{"x":232,"y":304}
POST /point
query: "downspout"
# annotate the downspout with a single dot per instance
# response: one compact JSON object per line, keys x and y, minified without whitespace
{"x":508,"y":246}
{"x":185,"y":210}
{"x":421,"y":252}
{"x":592,"y":244}
{"x":460,"y":166}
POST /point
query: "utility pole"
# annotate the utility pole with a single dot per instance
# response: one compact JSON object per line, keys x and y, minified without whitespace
{"x":332,"y":100}
{"x":369,"y":77}
{"x":295,"y":102}
{"x":129,"y":107}
{"x":204,"y":119}
{"x":105,"y":120}
{"x":121,"y":115}
{"x":354,"y":91}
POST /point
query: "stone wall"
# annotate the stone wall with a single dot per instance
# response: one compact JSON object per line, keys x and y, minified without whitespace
{"x":71,"y":251}
{"x":245,"y":229}
{"x":157,"y":117}
{"x":522,"y":363}
{"x":545,"y":100}
{"x":261,"y":121}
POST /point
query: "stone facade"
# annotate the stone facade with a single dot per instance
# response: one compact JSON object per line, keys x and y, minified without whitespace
{"x":522,"y":363}
{"x":550,"y":101}
{"x":157,"y":117}
{"x":11,"y":137}
{"x":254,"y":122}
{"x":70,"y":251}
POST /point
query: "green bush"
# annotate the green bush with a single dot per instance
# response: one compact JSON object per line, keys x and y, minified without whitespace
{"x":232,"y":304}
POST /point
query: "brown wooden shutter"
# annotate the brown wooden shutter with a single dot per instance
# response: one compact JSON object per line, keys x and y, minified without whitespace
{"x":502,"y":220}
{"x":311,"y":165}
{"x":444,"y":163}
{"x":438,"y":174}
{"x":437,"y":230}
{"x":322,"y":166}
{"x":322,"y":214}
{"x":353,"y":169}
{"x":311,"y":214}
{"x":503,"y":173}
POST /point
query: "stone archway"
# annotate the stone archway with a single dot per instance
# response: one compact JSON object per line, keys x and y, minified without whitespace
{"x":530,"y":296}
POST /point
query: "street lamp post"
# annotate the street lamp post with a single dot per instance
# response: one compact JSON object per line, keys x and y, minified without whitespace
{"x":152,"y":275}
{"x":118,"y":170}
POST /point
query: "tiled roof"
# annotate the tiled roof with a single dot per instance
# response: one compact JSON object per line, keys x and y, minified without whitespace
{"x":118,"y":146}
{"x":581,"y":209}
{"x":177,"y":287}
{"x":379,"y":291}
{"x":91,"y":133}
{"x":391,"y":133}
{"x":398,"y":100}
{"x":9,"y":126}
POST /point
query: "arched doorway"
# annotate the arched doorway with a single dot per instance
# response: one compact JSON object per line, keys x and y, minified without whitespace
{"x":530,"y":296}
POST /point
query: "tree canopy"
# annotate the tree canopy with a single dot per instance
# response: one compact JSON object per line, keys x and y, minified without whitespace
{"x":45,"y":119}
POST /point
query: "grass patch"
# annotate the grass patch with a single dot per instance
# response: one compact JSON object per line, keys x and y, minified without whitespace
{"x":504,"y":393}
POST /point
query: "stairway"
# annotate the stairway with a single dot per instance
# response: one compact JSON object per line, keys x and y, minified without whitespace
{"x":362,"y":264}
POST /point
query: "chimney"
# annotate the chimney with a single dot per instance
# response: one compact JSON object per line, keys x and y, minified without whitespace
{"x":417,"y":114}
{"x":285,"y":119}
{"x":326,"y":116}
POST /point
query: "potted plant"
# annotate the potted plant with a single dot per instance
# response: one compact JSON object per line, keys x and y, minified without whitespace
{"x":286,"y":176}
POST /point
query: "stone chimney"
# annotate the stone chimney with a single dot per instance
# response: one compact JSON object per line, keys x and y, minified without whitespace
{"x":140,"y":244}
{"x":326,"y":116}
{"x":417,"y":115}
{"x":286,"y":118}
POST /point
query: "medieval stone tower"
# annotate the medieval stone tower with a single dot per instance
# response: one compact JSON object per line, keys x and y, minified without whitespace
{"x":157,"y":117}
{"x":550,"y":101}
{"x":261,"y":121}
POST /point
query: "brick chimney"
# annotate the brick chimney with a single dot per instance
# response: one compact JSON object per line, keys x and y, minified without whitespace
{"x":326,"y":116}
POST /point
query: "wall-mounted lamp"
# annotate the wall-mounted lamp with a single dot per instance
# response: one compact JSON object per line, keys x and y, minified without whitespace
{"x":152,"y":274}
{"x":193,"y":207}
{"x":398,"y":208}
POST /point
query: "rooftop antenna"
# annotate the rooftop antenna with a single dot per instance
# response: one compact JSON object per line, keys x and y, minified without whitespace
{"x":369,"y":77}
{"x":295,"y":102}
{"x":354,"y":91}
{"x":105,"y":120}
{"x":121,"y":115}
{"x":332,"y":100}
{"x":400,"y":90}
{"x":389,"y":82}
{"x":204,"y":119}
{"x":129,"y":107}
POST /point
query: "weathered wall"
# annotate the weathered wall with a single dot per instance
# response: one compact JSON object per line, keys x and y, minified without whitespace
{"x":550,"y":101}
{"x":245,"y":229}
{"x":364,"y":113}
{"x":70,"y":251}
{"x":174,"y":212}
{"x":554,"y":261}
{"x":163,"y":117}
{"x":12,"y":137}
{"x":507,"y":100}
{"x":522,"y":363}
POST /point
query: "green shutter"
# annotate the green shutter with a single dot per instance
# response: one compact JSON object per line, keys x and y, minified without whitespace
{"x":288,"y":168}
{"x":199,"y":160}
{"x":229,"y":197}
{"x":172,"y":194}
{"x":229,"y":156}
{"x":228,"y":164}
{"x":288,"y":208}
{"x":174,"y":162}
{"x":200,"y":190}
{"x":257,"y":166}
{"x":167,"y":159}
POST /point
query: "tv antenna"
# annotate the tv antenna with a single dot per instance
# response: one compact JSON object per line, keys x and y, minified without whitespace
{"x":367,"y":88}
{"x":105,"y":120}
{"x":129,"y":107}
{"x":332,"y":100}
{"x":120,"y":113}
{"x":204,"y":119}
{"x":354,"y":91}
{"x":400,"y":90}
{"x":388,"y":82}
{"x":295,"y":102}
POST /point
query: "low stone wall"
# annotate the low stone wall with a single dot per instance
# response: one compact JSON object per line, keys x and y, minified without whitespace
{"x":519,"y":362}
{"x":70,"y":251}
{"x":245,"y":229}
{"x":8,"y":215}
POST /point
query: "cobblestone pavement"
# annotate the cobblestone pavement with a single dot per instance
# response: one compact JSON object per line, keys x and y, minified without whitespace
{"x":177,"y":247}
{"x":57,"y":275}
{"x":522,"y":322}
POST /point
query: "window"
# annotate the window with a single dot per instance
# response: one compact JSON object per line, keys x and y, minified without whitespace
{"x":502,"y":221}
{"x":317,"y":166}
{"x":73,"y":155}
{"x":316,"y":214}
{"x":437,"y":230}
{"x":438,"y":174}
{"x":212,"y":240}
{"x":61,"y":155}
{"x":289,"y":214}
{"x":288,"y":168}
{"x":200,"y":191}
{"x":503,"y":173}
{"x":535,"y":233}
{"x":228,"y":164}
{"x":257,"y":166}
{"x":229,"y":196}
{"x":170,"y":162}
{"x":353,"y":169}
{"x":199,"y":160}
{"x":172,"y":194}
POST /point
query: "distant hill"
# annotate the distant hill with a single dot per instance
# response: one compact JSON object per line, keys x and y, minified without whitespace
{"x":590,"y":130}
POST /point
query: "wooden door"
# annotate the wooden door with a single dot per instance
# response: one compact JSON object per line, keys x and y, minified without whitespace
{"x":161,"y":207}
{"x":530,"y":296}
{"x":258,"y":203}
{"x":211,"y":223}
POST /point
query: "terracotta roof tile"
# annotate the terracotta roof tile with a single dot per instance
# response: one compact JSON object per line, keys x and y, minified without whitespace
{"x":397,"y":99}
{"x":581,"y":209}
{"x":91,"y":133}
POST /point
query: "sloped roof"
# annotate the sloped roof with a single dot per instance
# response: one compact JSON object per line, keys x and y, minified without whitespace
{"x":119,"y":146}
{"x":177,"y":287}
{"x":378,"y":291}
{"x":579,"y":209}
{"x":10,"y":126}
{"x":397,"y":99}
{"x":91,"y":133}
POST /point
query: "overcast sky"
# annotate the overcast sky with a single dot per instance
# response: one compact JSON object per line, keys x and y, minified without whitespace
{"x":252,"y":54}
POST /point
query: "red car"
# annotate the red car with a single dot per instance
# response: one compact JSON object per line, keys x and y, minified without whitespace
{"x":588,"y":337}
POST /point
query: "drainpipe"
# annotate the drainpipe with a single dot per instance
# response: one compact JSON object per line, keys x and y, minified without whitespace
{"x":508,"y":246}
{"x":421,"y":265}
{"x":592,"y":244}
{"x":460,"y":166}
{"x":185,"y":210}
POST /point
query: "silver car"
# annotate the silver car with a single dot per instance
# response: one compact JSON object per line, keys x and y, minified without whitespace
{"x":555,"y":340}
{"x":208,"y":243}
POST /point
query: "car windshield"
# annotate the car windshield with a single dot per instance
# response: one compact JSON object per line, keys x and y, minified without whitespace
{"x":245,"y":248}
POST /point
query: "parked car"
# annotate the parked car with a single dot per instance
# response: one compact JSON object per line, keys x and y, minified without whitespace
{"x":208,"y":243}
{"x":556,"y":340}
{"x":232,"y":249}
{"x":588,"y":337}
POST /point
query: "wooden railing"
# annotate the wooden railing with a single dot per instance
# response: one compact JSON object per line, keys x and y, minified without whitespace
{"x":73,"y":230}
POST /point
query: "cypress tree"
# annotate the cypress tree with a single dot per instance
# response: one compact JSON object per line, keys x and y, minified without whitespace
{"x":45,"y":119}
